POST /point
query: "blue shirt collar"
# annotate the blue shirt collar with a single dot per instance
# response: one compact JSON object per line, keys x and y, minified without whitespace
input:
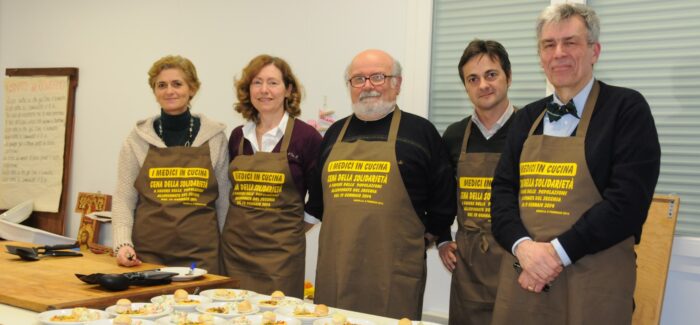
{"x":580,"y":98}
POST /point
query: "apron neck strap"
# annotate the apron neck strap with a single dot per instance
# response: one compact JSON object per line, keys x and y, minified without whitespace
{"x":393,"y":129}
{"x":240,"y":145}
{"x":342,"y":131}
{"x":467,"y":133}
{"x":588,"y":110}
{"x":287,"y":137}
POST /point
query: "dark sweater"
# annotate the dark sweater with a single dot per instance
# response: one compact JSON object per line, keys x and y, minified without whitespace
{"x":301,"y":154}
{"x":454,"y":134}
{"x":423,"y":164}
{"x":176,"y":128}
{"x":623,"y":155}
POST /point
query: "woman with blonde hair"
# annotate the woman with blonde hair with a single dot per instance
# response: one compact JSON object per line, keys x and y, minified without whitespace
{"x":172,"y":178}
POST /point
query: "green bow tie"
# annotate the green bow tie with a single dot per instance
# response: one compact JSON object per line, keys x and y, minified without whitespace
{"x":556,"y":111}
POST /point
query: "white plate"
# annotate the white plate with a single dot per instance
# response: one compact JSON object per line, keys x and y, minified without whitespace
{"x":351,"y":320}
{"x":231,"y":294}
{"x":232,"y":309}
{"x":161,"y":311}
{"x":19,"y":232}
{"x":287,"y":301}
{"x":19,"y":212}
{"x":45,"y":317}
{"x":111,"y":321}
{"x":170,"y":301}
{"x":190,"y":317}
{"x":183,"y":272}
{"x":289,"y":311}
{"x":257,"y":320}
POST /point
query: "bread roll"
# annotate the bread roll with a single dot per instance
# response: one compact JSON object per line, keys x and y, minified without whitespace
{"x":321,"y":310}
{"x":180,"y":295}
{"x":122,"y":320}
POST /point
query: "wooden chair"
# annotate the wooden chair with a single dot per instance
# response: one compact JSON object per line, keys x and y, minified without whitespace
{"x":653,"y":259}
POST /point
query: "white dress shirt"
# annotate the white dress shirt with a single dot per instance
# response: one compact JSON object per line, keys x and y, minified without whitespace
{"x":269,"y":139}
{"x":488,"y":133}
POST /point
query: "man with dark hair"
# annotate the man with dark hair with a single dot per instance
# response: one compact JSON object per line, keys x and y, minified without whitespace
{"x":572,"y":189}
{"x":475,"y":144}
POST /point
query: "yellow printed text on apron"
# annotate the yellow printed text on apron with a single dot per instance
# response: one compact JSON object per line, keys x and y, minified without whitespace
{"x":178,"y":184}
{"x":475,"y":196}
{"x":543,"y":185}
{"x":358,"y":180}
{"x":257,"y":189}
{"x":175,"y":221}
{"x":263,"y":241}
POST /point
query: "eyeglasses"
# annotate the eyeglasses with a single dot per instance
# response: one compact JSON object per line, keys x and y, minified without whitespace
{"x":375,"y":79}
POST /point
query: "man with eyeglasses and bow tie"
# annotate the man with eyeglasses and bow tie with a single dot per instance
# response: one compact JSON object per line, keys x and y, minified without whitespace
{"x":573,"y":186}
{"x":385,"y":188}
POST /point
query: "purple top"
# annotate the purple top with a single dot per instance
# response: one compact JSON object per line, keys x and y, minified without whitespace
{"x":301,"y":154}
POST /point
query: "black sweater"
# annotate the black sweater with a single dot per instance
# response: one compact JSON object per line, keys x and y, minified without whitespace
{"x":423,"y":164}
{"x":623,"y":155}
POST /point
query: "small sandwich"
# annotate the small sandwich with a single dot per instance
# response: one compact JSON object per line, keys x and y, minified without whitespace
{"x":223,"y":293}
{"x":321,"y":310}
{"x":405,"y":321}
{"x":244,"y":307}
{"x":206,"y":319}
{"x":269,"y":317}
{"x":277,"y":295}
{"x":123,"y":306}
{"x":181,"y":296}
{"x":122,"y":320}
{"x":339,"y":319}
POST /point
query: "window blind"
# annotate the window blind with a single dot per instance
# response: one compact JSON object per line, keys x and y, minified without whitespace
{"x":650,"y":46}
{"x":455,"y":24}
{"x":654,"y":47}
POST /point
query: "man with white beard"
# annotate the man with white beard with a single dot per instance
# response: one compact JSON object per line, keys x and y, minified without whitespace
{"x":384,"y":188}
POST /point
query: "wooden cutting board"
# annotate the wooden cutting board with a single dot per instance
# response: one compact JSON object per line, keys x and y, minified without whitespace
{"x":50,"y":283}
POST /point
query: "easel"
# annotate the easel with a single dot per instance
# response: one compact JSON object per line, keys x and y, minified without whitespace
{"x":653,"y":259}
{"x":55,"y":221}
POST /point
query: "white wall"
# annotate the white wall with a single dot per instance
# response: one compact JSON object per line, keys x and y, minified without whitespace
{"x":114,"y":43}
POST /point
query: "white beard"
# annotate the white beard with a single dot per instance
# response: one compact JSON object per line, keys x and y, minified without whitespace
{"x":374,"y":110}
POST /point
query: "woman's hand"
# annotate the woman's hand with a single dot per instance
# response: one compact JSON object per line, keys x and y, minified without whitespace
{"x":126,"y":256}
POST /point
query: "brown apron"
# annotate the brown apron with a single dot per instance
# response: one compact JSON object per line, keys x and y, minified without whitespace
{"x":175,"y":220}
{"x":371,"y":246}
{"x":556,"y":188}
{"x":263,"y":241}
{"x":475,"y":279}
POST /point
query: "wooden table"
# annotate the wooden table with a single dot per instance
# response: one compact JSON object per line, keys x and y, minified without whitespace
{"x":50,"y":283}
